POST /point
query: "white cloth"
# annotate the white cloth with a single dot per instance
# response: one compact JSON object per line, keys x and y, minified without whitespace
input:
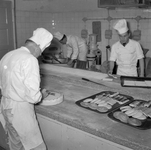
{"x":126,"y":57}
{"x":121,"y":26}
{"x":77,"y":48}
{"x":42,"y":37}
{"x":19,"y":82}
{"x":58,"y":35}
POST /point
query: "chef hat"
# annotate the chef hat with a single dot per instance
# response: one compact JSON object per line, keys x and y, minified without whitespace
{"x":58,"y":35}
{"x":121,"y":26}
{"x":42,"y":37}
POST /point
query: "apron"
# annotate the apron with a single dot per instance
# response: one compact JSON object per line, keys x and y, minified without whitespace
{"x":25,"y":123}
{"x":127,"y":71}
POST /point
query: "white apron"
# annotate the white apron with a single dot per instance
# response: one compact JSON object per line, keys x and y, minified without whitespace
{"x":127,"y":71}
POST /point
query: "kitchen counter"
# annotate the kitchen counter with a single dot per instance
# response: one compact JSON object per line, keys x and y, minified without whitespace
{"x":68,"y":81}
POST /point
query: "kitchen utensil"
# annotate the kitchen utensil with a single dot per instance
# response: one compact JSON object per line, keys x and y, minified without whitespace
{"x":54,"y":57}
{"x":94,"y":82}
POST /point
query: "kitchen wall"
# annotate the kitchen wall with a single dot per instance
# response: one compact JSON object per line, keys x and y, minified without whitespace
{"x":67,"y":17}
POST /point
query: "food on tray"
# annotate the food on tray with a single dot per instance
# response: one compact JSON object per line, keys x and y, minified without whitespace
{"x":135,"y":103}
{"x":147,"y":104}
{"x":116,"y":114}
{"x":134,"y":122}
{"x":88,"y":100}
{"x":93,"y":106}
{"x":104,"y":101}
{"x":142,"y":106}
{"x":135,"y":113}
{"x":84,"y":104}
{"x":121,"y":116}
{"x":102,"y":109}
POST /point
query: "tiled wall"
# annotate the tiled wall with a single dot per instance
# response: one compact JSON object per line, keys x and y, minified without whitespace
{"x":72,"y":23}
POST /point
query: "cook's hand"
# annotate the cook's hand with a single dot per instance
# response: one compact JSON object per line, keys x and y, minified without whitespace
{"x":67,"y":60}
{"x":44,"y":93}
{"x":110,"y":73}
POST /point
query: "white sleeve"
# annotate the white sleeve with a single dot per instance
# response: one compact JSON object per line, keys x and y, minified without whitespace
{"x":113,"y":54}
{"x":32,"y":81}
{"x":75,"y":48}
{"x":139,"y":51}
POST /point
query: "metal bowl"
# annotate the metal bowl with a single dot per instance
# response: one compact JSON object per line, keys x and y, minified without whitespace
{"x":61,"y":60}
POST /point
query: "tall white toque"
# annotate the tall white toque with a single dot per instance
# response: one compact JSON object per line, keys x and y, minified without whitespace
{"x":121,"y":26}
{"x":42,"y":37}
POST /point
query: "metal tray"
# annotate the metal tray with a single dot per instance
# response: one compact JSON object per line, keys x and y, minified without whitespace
{"x":107,"y":97}
{"x":138,"y":82}
{"x":145,"y":124}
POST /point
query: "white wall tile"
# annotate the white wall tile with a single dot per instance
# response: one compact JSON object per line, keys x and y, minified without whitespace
{"x":72,"y":23}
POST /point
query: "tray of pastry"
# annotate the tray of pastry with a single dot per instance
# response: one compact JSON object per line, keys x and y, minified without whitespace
{"x":105,"y":101}
{"x":136,"y":114}
{"x":140,"y":82}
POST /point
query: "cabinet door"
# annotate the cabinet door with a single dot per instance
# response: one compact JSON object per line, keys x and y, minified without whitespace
{"x":3,"y":138}
{"x":6,"y":27}
{"x":59,"y":136}
{"x":51,"y":131}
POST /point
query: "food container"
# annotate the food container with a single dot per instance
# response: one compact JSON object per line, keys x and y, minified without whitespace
{"x":104,"y":102}
{"x":137,"y":82}
{"x":136,"y":114}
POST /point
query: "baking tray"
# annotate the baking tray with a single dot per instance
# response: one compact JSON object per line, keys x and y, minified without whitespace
{"x":140,"y":82}
{"x":104,"y":99}
{"x":145,"y":123}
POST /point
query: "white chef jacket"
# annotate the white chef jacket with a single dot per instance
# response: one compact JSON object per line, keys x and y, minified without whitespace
{"x":19,"y":83}
{"x":126,"y":57}
{"x":77,"y":48}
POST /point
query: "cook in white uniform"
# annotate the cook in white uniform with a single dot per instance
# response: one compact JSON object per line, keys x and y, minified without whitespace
{"x":126,"y":53}
{"x":77,"y":49}
{"x":20,"y":89}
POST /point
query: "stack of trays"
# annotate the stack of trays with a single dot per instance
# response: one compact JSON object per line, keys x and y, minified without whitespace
{"x":120,"y":108}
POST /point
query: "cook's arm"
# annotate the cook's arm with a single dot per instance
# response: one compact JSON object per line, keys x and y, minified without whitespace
{"x":141,"y":65}
{"x":111,"y":66}
{"x":75,"y":48}
{"x":32,"y":81}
